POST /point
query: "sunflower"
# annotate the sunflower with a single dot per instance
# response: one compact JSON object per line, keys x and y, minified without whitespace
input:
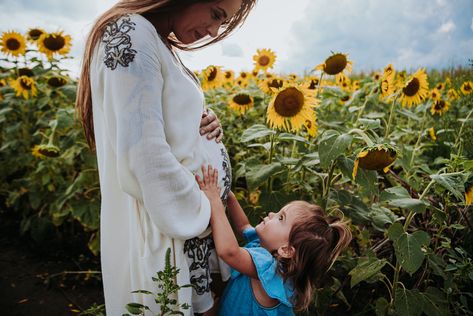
{"x":13,"y":44}
{"x":311,"y":127}
{"x":290,"y":108}
{"x":452,"y":94}
{"x":435,"y":94}
{"x":293,"y":77}
{"x":241,"y":102}
{"x":228,"y":76}
{"x":440,"y":86}
{"x":312,"y":83}
{"x":43,"y":151}
{"x":34,"y":34}
{"x":432,"y":134}
{"x":25,"y":86}
{"x":376,"y":76}
{"x":469,"y":189}
{"x":343,"y":82}
{"x":387,"y":87}
{"x":415,"y":90}
{"x":467,"y":87}
{"x":253,"y":197}
{"x":54,"y":43}
{"x":212,"y":77}
{"x":270,"y":85}
{"x":344,"y":99}
{"x":3,"y":83}
{"x":439,"y":107}
{"x":264,"y":59}
{"x":389,"y":72}
{"x":57,"y":81}
{"x":375,"y":157}
{"x":241,"y":83}
{"x":335,"y":64}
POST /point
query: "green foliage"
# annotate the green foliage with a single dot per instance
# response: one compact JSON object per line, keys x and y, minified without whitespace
{"x":167,"y":291}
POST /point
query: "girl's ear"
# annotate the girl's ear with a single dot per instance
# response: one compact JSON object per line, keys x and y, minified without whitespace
{"x":286,"y":251}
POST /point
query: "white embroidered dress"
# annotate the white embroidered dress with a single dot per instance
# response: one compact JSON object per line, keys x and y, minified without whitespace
{"x":147,"y":112}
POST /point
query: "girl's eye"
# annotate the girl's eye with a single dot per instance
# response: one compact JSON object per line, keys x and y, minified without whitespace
{"x":281,"y":217}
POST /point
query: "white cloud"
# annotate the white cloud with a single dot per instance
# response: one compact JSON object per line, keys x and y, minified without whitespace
{"x":231,"y":49}
{"x":446,"y":27}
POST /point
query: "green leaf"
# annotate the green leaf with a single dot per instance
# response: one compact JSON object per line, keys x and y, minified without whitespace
{"x":366,"y":269}
{"x":406,"y":302}
{"x":381,"y":307}
{"x":453,"y":183}
{"x":408,"y":247}
{"x":292,"y":137}
{"x":381,"y":217}
{"x":434,"y":302}
{"x":399,"y":197}
{"x":256,"y":131}
{"x":415,"y":205}
{"x":331,"y":146}
{"x":135,"y":308}
{"x":260,"y":173}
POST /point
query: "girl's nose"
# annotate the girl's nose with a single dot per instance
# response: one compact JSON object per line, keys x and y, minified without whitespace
{"x":270,"y":214}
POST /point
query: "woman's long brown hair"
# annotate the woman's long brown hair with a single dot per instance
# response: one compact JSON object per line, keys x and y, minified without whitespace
{"x":317,"y":240}
{"x":123,"y":7}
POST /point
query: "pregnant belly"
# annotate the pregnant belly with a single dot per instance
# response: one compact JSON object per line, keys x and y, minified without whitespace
{"x":217,"y":156}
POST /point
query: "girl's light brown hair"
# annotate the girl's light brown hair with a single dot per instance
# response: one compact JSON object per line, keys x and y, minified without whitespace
{"x":317,"y":240}
{"x":123,"y":7}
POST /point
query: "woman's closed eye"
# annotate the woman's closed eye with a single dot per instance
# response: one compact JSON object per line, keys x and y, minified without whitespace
{"x":216,"y":15}
{"x":281,"y":217}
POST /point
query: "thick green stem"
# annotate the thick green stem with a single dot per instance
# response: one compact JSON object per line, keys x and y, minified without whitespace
{"x":416,"y":146}
{"x":271,"y":152}
{"x":327,"y":186}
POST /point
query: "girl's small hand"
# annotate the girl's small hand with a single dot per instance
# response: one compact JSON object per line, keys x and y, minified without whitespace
{"x":209,"y":184}
{"x":210,"y":125}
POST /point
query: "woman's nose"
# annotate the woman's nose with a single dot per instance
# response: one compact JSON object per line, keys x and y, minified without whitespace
{"x":213,"y":29}
{"x":270,"y":214}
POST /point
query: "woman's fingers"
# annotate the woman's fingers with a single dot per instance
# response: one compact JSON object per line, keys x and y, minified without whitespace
{"x":207,"y":119}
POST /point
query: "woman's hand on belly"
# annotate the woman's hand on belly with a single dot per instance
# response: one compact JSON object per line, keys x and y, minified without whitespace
{"x":210,"y":125}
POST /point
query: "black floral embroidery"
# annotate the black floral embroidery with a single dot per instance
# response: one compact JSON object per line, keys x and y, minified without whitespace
{"x":198,"y":250}
{"x":118,"y":43}
{"x":227,"y":178}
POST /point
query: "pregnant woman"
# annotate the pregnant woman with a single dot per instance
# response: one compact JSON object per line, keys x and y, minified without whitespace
{"x":141,"y":110}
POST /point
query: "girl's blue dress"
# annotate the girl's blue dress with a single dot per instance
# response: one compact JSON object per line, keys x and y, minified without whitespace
{"x":238,"y":298}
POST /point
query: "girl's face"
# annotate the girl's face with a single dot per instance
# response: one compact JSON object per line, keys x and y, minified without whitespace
{"x":204,"y":18}
{"x":274,"y":230}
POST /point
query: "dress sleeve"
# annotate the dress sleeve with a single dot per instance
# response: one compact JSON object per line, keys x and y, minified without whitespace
{"x":272,"y":282}
{"x":147,"y":169}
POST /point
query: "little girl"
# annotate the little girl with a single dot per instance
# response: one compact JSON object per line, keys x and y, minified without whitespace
{"x":284,"y":260}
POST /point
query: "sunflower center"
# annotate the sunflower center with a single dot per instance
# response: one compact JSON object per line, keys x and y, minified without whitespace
{"x":13,"y":44}
{"x":212,"y":74}
{"x":25,"y":83}
{"x":243,"y":75}
{"x":289,"y":102}
{"x":439,"y":105}
{"x":412,"y":87}
{"x":275,"y":83}
{"x":54,"y":43}
{"x":25,"y":72}
{"x":35,"y":34}
{"x":313,"y":84}
{"x":335,"y":64}
{"x":467,"y":87}
{"x":56,"y":81}
{"x":228,"y":75}
{"x":264,"y":60}
{"x":242,"y":99}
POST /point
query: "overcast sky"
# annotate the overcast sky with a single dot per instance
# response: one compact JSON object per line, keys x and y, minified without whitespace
{"x":407,"y":33}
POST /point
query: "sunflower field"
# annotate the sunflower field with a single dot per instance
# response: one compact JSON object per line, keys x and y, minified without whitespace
{"x":389,"y":151}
